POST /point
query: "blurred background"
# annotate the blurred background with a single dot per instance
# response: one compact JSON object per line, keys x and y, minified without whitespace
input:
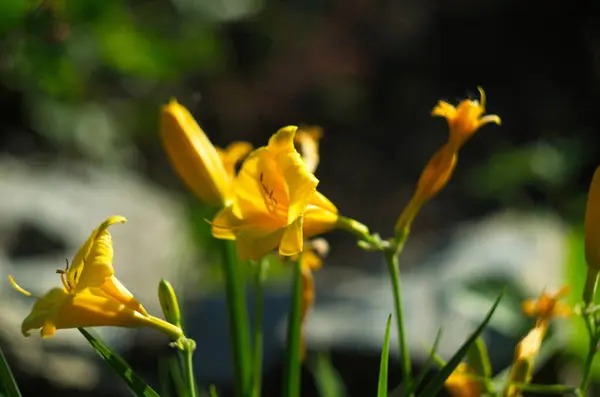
{"x":82,"y":87}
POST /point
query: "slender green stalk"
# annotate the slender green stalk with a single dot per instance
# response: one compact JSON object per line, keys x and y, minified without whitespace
{"x":8,"y":385}
{"x":258,"y":329}
{"x":292,"y":373}
{"x":189,"y":368}
{"x":391,"y":257}
{"x":238,"y":318}
{"x":587,"y":367}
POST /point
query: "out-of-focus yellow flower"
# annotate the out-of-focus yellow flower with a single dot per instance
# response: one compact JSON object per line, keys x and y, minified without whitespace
{"x":91,"y":295}
{"x":462,"y":382}
{"x":311,"y":259}
{"x":592,"y":224}
{"x":547,"y":306}
{"x":525,"y":354}
{"x":276,"y":203}
{"x":464,"y":119}
{"x":307,"y":139}
{"x":232,"y":155}
{"x":193,"y":156}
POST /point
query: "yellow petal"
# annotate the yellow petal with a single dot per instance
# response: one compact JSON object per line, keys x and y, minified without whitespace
{"x":223,"y":224}
{"x":308,"y":141}
{"x":193,"y":156}
{"x":60,"y":310}
{"x":233,"y":154}
{"x":301,"y":183}
{"x":248,"y":187}
{"x":292,"y":240}
{"x":319,"y":200}
{"x":92,"y":264}
{"x":529,"y":307}
{"x":318,"y":221}
{"x":254,"y":244}
{"x":114,"y":289}
{"x":461,"y":383}
{"x":436,"y":174}
{"x":44,"y":312}
{"x":310,"y":259}
{"x":592,"y":224}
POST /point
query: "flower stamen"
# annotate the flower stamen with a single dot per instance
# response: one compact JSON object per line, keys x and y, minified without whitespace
{"x":18,"y":287}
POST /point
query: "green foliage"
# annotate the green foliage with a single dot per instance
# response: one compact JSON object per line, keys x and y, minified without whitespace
{"x":437,"y":382}
{"x":382,"y":388}
{"x":120,"y":367}
{"x":8,"y":385}
{"x":328,"y":380}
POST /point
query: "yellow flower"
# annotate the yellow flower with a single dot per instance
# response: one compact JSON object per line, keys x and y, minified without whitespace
{"x":91,"y":295}
{"x":307,"y":139}
{"x":547,"y":306}
{"x":462,"y":382}
{"x":275,"y":198}
{"x":232,"y":155}
{"x":193,"y":156}
{"x":592,"y":224}
{"x":525,"y":354}
{"x":434,"y":177}
{"x":464,"y":119}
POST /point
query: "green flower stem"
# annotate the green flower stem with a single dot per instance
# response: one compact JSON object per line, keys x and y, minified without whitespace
{"x":238,"y":318}
{"x":258,"y":329}
{"x":292,"y":371}
{"x":391,"y":257}
{"x":188,"y":351}
{"x":587,"y":367}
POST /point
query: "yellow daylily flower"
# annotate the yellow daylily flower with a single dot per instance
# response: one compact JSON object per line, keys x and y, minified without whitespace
{"x":92,"y":267}
{"x":60,"y":309}
{"x":592,"y":224}
{"x":193,"y":156}
{"x":464,"y":119}
{"x":274,"y":191}
{"x":232,"y":155}
{"x":91,"y":295}
{"x":547,"y":306}
{"x":462,"y":382}
{"x":525,"y":354}
{"x":307,"y":139}
{"x":434,"y":177}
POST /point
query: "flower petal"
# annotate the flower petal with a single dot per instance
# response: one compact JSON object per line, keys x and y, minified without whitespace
{"x":233,"y":154}
{"x":223,"y":224}
{"x":292,"y":241}
{"x":193,"y":155}
{"x":318,"y":221}
{"x":93,"y":262}
{"x":112,"y":288}
{"x":44,"y":312}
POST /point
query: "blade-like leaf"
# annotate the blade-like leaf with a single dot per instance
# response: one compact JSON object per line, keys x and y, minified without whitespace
{"x":120,"y":366}
{"x":437,"y":382}
{"x":428,"y":363}
{"x":382,"y":389}
{"x":8,"y":385}
{"x":292,"y":373}
{"x":327,"y":379}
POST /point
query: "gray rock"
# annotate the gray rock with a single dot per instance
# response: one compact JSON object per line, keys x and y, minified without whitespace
{"x":46,"y":213}
{"x":524,"y":251}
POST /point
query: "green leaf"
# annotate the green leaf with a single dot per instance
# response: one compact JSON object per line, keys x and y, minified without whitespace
{"x":437,"y":382}
{"x":546,"y":389}
{"x":292,"y":373}
{"x":120,"y":366}
{"x":8,"y":385}
{"x":327,"y":379}
{"x":382,"y":389}
{"x":428,"y":363}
